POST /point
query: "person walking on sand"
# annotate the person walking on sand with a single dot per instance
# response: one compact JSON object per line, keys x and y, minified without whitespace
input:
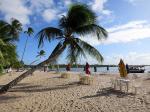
{"x":87,"y":68}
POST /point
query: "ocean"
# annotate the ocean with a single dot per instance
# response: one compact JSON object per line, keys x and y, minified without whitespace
{"x":101,"y":69}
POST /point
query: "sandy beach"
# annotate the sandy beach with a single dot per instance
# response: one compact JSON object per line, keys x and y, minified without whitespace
{"x":47,"y":92}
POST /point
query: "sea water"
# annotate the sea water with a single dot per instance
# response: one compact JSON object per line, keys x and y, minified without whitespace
{"x":101,"y":69}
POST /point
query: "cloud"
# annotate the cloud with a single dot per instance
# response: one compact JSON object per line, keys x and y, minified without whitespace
{"x":128,"y":32}
{"x":23,"y":10}
{"x":39,"y":5}
{"x":49,"y":15}
{"x":15,"y":9}
{"x":98,"y":6}
{"x":134,"y":2}
{"x":130,"y":58}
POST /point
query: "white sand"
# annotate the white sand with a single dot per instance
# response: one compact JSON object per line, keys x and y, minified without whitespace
{"x":47,"y":92}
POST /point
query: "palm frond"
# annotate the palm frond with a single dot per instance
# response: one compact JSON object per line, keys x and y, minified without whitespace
{"x":90,"y":50}
{"x":75,"y":51}
{"x":63,"y":22}
{"x":10,"y":30}
{"x":92,"y":29}
{"x":30,"y":31}
{"x":79,"y":15}
{"x":49,"y":34}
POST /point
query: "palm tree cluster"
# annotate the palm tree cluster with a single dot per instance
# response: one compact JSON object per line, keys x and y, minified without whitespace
{"x":9,"y":33}
{"x":80,"y":20}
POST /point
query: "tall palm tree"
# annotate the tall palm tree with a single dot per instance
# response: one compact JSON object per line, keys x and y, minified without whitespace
{"x":29,"y":32}
{"x":79,"y":21}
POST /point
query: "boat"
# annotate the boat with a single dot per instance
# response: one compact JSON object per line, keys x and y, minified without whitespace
{"x":136,"y":69}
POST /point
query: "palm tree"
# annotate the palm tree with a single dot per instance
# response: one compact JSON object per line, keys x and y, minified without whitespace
{"x":9,"y":33}
{"x":29,"y":32}
{"x":79,"y":21}
{"x":41,"y":53}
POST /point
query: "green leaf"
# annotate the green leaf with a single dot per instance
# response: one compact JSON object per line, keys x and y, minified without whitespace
{"x":75,"y":51}
{"x":49,"y":34}
{"x":90,"y":50}
{"x":79,"y":15}
{"x":92,"y":29}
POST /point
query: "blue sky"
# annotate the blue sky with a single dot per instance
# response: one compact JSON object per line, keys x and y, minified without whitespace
{"x":127,"y":21}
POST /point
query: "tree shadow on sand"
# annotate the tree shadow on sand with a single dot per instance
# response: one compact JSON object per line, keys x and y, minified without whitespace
{"x":39,"y":88}
{"x":1,"y":86}
{"x":147,"y":79}
{"x":108,"y":92}
{"x":8,"y":99}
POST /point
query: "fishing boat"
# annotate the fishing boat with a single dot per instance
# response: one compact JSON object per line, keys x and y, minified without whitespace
{"x":136,"y":69}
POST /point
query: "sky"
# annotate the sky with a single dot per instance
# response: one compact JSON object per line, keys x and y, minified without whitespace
{"x":127,"y":23}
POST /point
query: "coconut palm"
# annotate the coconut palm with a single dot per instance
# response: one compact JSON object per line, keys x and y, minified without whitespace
{"x":41,"y":53}
{"x":9,"y":33}
{"x":79,"y":21}
{"x":29,"y":32}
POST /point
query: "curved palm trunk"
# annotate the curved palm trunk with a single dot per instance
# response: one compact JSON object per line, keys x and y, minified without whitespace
{"x":52,"y":57}
{"x":24,"y":49}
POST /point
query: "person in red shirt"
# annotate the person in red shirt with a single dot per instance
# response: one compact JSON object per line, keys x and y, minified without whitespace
{"x":87,"y":68}
{"x":68,"y":67}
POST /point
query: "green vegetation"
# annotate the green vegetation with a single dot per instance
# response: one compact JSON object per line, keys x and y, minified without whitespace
{"x":9,"y":34}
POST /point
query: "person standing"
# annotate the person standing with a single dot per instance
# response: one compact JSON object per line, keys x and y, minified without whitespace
{"x":107,"y":67}
{"x":95,"y":69}
{"x":68,"y":67}
{"x":87,"y":68}
{"x":127,"y":68}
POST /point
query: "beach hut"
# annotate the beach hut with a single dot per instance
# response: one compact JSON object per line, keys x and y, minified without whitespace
{"x":122,"y":69}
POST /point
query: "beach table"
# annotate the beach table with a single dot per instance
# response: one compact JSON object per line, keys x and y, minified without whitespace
{"x":122,"y":81}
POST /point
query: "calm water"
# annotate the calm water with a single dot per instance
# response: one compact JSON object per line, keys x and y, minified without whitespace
{"x":101,"y":69}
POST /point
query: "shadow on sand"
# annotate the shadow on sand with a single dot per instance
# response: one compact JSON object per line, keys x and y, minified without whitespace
{"x":8,"y":99}
{"x":108,"y":92}
{"x":147,"y":79}
{"x":39,"y":88}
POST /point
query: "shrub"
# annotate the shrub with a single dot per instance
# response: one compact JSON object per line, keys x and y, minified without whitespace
{"x":1,"y":69}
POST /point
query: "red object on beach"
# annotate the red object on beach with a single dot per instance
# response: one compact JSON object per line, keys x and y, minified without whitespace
{"x":87,"y":69}
{"x":68,"y":67}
